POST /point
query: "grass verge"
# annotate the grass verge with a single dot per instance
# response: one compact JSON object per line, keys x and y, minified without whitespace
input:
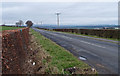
{"x":88,"y":35}
{"x":60,"y":58}
{"x":2,"y":28}
{"x":94,"y":36}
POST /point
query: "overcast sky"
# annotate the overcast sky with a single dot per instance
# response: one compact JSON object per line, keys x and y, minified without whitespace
{"x":72,"y":13}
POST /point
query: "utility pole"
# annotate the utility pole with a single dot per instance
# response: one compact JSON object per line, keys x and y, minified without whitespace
{"x":58,"y":18}
{"x":41,"y":22}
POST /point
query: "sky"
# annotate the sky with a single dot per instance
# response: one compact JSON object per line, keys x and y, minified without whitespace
{"x":72,"y":13}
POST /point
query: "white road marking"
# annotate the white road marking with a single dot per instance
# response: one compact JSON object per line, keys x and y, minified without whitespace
{"x":72,"y":38}
{"x":79,"y":40}
{"x":92,"y":44}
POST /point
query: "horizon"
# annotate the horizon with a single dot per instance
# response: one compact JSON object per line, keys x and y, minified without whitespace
{"x":63,"y":25}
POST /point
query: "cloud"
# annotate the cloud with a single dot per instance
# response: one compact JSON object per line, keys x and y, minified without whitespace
{"x":60,"y":0}
{"x":71,"y":12}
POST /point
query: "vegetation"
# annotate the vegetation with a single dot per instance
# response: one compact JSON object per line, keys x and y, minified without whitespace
{"x":29,"y":23}
{"x":19,"y":23}
{"x":92,"y":36}
{"x":2,"y":28}
{"x":88,"y":35}
{"x":60,"y":58}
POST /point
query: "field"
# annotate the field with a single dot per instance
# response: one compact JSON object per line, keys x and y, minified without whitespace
{"x":60,"y":58}
{"x":2,"y":28}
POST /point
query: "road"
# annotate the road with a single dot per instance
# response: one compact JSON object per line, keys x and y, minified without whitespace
{"x":101,"y":55}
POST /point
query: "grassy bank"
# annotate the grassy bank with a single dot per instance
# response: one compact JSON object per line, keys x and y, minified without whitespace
{"x":60,"y":58}
{"x":88,"y":35}
{"x":2,"y":28}
{"x":92,"y":36}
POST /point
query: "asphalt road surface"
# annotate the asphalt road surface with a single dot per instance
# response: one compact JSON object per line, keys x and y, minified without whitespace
{"x":101,"y":55}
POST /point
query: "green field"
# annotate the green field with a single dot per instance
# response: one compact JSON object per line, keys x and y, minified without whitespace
{"x":2,"y":28}
{"x":61,"y":58}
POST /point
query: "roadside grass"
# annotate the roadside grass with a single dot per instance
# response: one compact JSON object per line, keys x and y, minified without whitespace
{"x":2,"y":28}
{"x":60,"y":58}
{"x":88,"y":35}
{"x":93,"y":36}
{"x":96,"y":36}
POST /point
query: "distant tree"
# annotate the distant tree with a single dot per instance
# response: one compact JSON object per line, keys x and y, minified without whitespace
{"x":29,"y":23}
{"x":17,"y":23}
{"x":21,"y":22}
{"x":3,"y":25}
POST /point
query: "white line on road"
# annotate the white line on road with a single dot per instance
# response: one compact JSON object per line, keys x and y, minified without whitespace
{"x":79,"y":40}
{"x":92,"y":44}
